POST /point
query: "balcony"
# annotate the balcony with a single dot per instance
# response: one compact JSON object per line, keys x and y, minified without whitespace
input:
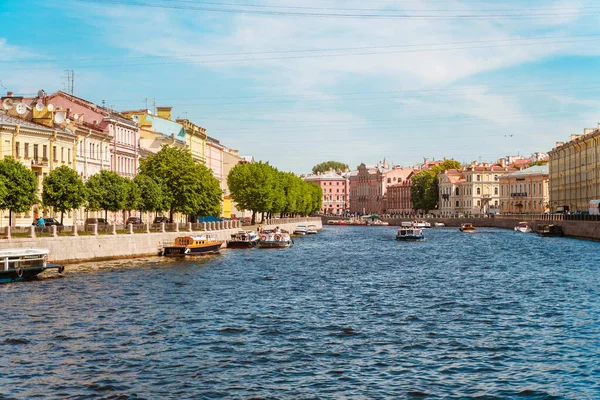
{"x":39,"y":162}
{"x":518,"y":194}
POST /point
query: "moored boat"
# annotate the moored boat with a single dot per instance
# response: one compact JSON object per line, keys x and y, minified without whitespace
{"x":408,"y":232}
{"x":311,"y":230}
{"x":421,"y":224}
{"x":439,"y":224}
{"x":24,"y":264}
{"x":274,"y":240}
{"x":523,"y":227}
{"x":467,"y":228}
{"x":549,"y":230}
{"x":243,"y":240}
{"x":300,"y":230}
{"x":192,"y":246}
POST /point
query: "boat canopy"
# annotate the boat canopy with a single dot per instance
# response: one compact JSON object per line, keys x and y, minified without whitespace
{"x":23,"y":252}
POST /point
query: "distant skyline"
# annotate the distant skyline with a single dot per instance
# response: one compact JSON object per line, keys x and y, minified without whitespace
{"x":297,"y":82}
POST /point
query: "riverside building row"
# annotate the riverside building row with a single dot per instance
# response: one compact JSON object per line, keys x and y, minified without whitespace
{"x":48,"y":131}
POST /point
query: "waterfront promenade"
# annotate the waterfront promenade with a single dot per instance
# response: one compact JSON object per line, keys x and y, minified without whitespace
{"x":135,"y":243}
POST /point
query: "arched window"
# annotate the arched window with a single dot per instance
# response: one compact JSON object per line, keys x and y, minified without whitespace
{"x":457,"y":193}
{"x":496,"y":190}
{"x":478,"y":190}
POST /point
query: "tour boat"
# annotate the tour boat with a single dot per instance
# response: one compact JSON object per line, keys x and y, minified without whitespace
{"x":274,"y":240}
{"x":467,"y":228}
{"x":311,"y":230}
{"x":439,"y":224}
{"x":192,"y":246}
{"x":243,"y":240}
{"x":408,"y":232}
{"x":549,"y":230}
{"x":523,"y":227}
{"x":24,"y":264}
{"x":300,"y":230}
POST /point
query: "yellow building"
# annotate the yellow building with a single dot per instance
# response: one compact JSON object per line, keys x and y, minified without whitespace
{"x":525,"y":191}
{"x":574,"y":169}
{"x":38,"y":147}
{"x":195,"y":139}
{"x":472,"y":190}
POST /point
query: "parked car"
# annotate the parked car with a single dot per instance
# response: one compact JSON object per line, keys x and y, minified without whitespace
{"x":48,"y":222}
{"x":160,"y":220}
{"x":134,"y":221}
{"x":98,"y":221}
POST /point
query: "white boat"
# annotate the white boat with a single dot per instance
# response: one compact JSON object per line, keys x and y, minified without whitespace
{"x":408,"y":232}
{"x":24,"y":264}
{"x":300,"y":230}
{"x":439,"y":224}
{"x":311,"y":230}
{"x":421,"y":224}
{"x":523,"y":227}
{"x":274,"y":240}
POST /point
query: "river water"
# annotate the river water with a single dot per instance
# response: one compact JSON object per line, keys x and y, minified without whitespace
{"x":349,"y":313}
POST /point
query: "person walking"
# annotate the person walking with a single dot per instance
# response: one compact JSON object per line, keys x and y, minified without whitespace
{"x":41,"y":223}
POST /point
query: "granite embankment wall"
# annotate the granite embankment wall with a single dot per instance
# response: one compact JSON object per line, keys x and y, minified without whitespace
{"x":69,"y":249}
{"x":578,"y":229}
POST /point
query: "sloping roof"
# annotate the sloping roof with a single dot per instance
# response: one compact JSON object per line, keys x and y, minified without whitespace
{"x":531,"y":171}
{"x":327,"y":176}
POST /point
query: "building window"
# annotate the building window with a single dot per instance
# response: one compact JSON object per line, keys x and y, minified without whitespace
{"x":45,"y":152}
{"x":69,"y":155}
{"x":495,"y":190}
{"x":457,"y":193}
{"x":456,"y":203}
{"x":54,"y":153}
{"x":478,"y":178}
{"x":26,"y":150}
{"x":62,"y":154}
{"x":478,"y":190}
{"x":17,"y":146}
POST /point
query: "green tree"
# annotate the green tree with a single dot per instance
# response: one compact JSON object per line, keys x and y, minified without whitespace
{"x":106,"y":191}
{"x":18,"y":187}
{"x":424,"y":187}
{"x":423,"y":190}
{"x":327,"y":165}
{"x":133,"y":196}
{"x":152,"y":199}
{"x":251,"y":187}
{"x":188,"y":187}
{"x":63,"y":190}
{"x":292,"y":186}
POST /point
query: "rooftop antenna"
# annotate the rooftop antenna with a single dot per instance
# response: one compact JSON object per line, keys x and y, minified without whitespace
{"x":69,"y":81}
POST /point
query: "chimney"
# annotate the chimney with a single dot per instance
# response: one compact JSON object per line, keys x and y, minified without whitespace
{"x":9,"y":94}
{"x":164,"y":112}
{"x":502,"y":162}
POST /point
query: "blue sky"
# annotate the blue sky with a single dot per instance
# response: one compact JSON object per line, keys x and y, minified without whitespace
{"x":471,"y":80}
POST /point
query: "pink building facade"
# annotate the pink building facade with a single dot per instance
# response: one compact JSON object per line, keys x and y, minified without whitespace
{"x":335,"y":192}
{"x":369,"y":186}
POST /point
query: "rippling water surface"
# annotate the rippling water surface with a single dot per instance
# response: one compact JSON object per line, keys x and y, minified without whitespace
{"x":349,"y":313}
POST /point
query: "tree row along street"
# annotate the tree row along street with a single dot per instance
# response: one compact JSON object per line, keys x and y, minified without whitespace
{"x":169,"y":181}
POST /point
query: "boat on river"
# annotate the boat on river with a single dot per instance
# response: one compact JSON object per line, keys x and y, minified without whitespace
{"x":523,"y":227}
{"x":549,"y":230}
{"x":467,"y":228}
{"x":275,"y":240}
{"x":192,"y":246}
{"x":24,"y":264}
{"x":421,"y":224}
{"x":311,"y":230}
{"x":243,"y":240}
{"x":439,"y":224}
{"x":300,"y":230}
{"x":409,"y":233}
